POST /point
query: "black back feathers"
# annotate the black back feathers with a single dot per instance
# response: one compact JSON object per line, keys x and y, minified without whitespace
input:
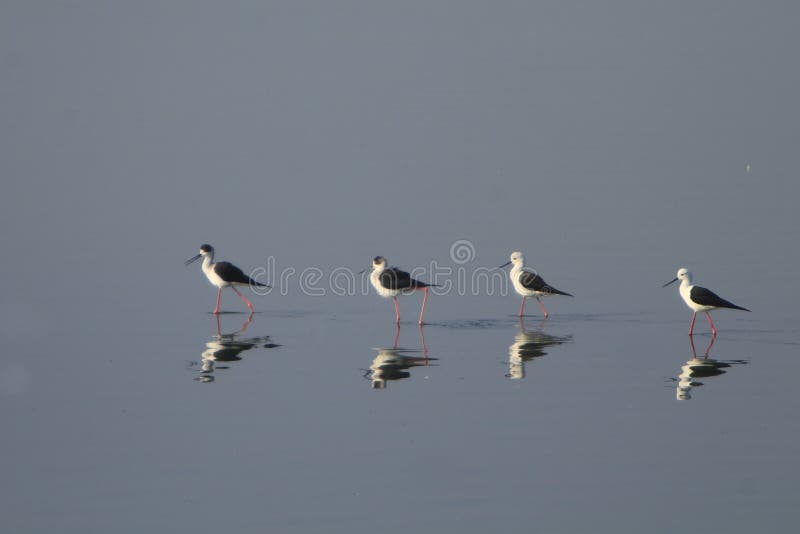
{"x":534,"y":282}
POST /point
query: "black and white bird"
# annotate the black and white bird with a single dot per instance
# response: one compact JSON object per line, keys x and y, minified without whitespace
{"x":391,"y":281}
{"x":700,"y":299}
{"x":528,"y":283}
{"x":223,"y":274}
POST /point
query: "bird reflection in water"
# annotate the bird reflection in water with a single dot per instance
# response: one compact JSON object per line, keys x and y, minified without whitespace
{"x":226,"y":348}
{"x":393,"y":364}
{"x":529,"y":345}
{"x":698,"y":368}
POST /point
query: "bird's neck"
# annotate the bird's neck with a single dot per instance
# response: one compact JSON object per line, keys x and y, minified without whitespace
{"x":208,"y":259}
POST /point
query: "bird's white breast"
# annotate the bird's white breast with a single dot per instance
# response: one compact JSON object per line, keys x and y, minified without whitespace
{"x":214,"y":277}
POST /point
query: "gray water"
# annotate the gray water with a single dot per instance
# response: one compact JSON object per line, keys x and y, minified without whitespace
{"x":613,"y":144}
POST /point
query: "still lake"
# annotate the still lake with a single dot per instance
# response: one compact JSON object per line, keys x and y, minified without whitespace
{"x":308,"y":421}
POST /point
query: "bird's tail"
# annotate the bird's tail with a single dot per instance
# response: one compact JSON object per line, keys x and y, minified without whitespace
{"x":735,"y":307}
{"x":554,"y":291}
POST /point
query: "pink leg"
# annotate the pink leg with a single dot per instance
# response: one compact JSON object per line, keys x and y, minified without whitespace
{"x":396,"y":311}
{"x":713,"y":330}
{"x":249,"y":304}
{"x":422,"y":311}
{"x":396,"y":335}
{"x":219,"y":296}
{"x":522,"y":307}
{"x":544,"y":310}
{"x":691,"y":326}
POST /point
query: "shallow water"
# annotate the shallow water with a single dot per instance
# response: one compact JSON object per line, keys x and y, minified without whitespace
{"x":611,"y":145}
{"x":312,"y":427}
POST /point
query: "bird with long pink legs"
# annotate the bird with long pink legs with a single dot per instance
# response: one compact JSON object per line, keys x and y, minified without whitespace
{"x":700,"y":299}
{"x":391,"y":282}
{"x":528,"y":283}
{"x":223,"y":274}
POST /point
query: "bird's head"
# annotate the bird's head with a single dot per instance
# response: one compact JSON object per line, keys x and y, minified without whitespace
{"x":517,"y":258}
{"x":379,"y":262}
{"x":683,"y":274}
{"x":205,"y":250}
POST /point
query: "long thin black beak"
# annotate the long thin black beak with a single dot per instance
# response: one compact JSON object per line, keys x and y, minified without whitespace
{"x":192,"y":259}
{"x":506,"y":263}
{"x":362,"y":271}
{"x":670,"y":282}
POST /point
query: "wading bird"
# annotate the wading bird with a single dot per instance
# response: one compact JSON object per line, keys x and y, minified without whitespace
{"x":700,"y":299}
{"x":223,"y":274}
{"x":391,"y":281}
{"x":528,"y":283}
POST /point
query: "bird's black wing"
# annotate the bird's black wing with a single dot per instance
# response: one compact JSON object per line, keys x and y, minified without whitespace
{"x":706,"y":297}
{"x":394,"y":278}
{"x":234,"y":275}
{"x":534,"y":282}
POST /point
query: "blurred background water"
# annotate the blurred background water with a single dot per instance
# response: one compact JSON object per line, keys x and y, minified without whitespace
{"x":613,"y":144}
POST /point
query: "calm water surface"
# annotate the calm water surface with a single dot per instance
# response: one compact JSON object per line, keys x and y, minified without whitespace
{"x":320,"y":420}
